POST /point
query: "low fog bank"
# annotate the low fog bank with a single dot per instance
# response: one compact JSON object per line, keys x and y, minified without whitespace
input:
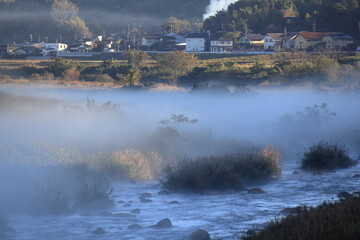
{"x":52,"y":142}
{"x":109,"y":120}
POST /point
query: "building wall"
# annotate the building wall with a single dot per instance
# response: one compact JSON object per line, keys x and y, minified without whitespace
{"x":195,"y":44}
{"x":336,"y":44}
{"x":269,"y":42}
{"x":300,"y":43}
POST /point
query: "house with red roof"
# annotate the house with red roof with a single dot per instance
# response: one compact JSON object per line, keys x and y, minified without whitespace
{"x":305,"y":40}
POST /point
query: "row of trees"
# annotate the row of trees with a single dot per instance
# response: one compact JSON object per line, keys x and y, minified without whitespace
{"x":48,"y":19}
{"x":274,"y":15}
{"x":171,"y":65}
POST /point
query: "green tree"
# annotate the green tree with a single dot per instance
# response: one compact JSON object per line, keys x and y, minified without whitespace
{"x":136,"y":59}
{"x":59,"y":66}
{"x":65,"y":13}
{"x":174,"y":25}
{"x":177,"y":63}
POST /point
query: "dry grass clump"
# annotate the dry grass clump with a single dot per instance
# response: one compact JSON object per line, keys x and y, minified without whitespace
{"x":329,"y":221}
{"x":326,"y":156}
{"x":135,"y":165}
{"x":222,"y":172}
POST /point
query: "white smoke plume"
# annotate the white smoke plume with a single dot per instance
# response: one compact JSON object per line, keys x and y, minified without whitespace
{"x":215,"y":6}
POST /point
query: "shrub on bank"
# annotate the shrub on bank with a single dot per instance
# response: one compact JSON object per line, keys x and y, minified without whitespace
{"x":231,"y":171}
{"x":95,"y":195}
{"x":326,"y":156}
{"x":329,"y":221}
{"x":134,"y":165}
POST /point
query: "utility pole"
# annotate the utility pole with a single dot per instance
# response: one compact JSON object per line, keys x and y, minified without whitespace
{"x":314,"y":26}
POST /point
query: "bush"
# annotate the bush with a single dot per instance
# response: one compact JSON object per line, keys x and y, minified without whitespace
{"x":94,"y":196}
{"x":71,"y":74}
{"x":329,"y":221}
{"x":223,"y":172}
{"x":59,"y":66}
{"x":177,"y":63}
{"x":50,"y":199}
{"x":326,"y":156}
{"x":134,"y":165}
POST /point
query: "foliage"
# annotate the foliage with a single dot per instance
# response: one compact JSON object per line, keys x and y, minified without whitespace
{"x":134,"y":165}
{"x":136,"y":59}
{"x":59,"y":66}
{"x":50,"y":199}
{"x":90,"y":193}
{"x":177,"y":63}
{"x":174,"y":25}
{"x":168,"y":134}
{"x":71,"y":74}
{"x":330,"y":221}
{"x":99,"y":47}
{"x":311,"y":116}
{"x":231,"y":171}
{"x":326,"y":156}
{"x":295,"y":66}
{"x":65,"y":13}
{"x":297,"y":15}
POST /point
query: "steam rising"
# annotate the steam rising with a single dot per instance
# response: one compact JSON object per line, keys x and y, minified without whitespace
{"x":45,"y":135}
{"x":215,"y":6}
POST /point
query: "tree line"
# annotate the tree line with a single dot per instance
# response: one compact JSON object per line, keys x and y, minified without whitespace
{"x":263,"y":16}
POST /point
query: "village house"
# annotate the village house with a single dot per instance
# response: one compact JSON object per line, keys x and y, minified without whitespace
{"x":87,"y":41}
{"x":273,"y":41}
{"x":221,"y":46}
{"x":305,"y":40}
{"x":28,"y":51}
{"x":147,"y":42}
{"x":196,"y":42}
{"x":251,"y":42}
{"x":53,"y":49}
{"x":337,"y":41}
{"x":79,"y":48}
{"x":288,"y":41}
{"x":174,"y":41}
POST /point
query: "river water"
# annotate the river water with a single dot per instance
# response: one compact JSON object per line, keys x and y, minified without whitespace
{"x":251,"y":117}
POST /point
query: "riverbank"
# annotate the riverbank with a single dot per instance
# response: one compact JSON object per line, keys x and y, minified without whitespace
{"x":332,"y":71}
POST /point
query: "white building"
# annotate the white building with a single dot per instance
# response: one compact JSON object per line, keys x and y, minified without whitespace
{"x":196,"y":42}
{"x":149,"y":41}
{"x":220,"y":46}
{"x":271,"y":39}
{"x":53,"y":48}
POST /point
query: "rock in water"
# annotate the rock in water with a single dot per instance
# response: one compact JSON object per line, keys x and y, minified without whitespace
{"x":135,"y":227}
{"x":165,"y":223}
{"x":200,"y":234}
{"x":136,"y":211}
{"x":164,"y":192}
{"x":99,"y":231}
{"x":256,"y":191}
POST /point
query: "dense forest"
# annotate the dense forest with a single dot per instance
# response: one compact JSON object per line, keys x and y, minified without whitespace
{"x":21,"y":18}
{"x":263,"y":16}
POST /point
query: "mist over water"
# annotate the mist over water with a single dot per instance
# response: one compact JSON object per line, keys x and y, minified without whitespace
{"x":44,"y":133}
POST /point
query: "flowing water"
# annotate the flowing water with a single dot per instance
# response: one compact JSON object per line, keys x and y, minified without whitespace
{"x":225,"y":216}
